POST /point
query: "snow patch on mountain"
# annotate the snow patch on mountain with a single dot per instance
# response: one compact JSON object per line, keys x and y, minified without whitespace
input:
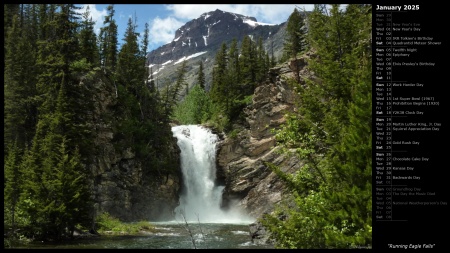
{"x":215,"y":23}
{"x":189,"y":57}
{"x":167,"y":62}
{"x":254,"y":23}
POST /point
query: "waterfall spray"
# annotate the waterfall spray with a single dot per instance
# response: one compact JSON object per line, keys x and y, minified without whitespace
{"x":201,"y":197}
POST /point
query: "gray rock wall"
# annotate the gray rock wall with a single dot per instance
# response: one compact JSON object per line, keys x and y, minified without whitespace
{"x":240,"y":159}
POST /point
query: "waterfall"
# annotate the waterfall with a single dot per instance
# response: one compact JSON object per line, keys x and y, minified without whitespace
{"x":201,"y":198}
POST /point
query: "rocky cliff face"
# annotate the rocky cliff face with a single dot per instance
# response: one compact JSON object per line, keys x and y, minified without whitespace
{"x":240,"y":158}
{"x":117,"y":181}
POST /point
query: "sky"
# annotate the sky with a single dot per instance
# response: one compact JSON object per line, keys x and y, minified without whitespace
{"x":165,"y":19}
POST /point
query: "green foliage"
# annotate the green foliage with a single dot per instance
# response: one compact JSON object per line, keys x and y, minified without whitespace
{"x":331,"y":135}
{"x":233,"y":134}
{"x":296,"y":34}
{"x":20,"y":114}
{"x":301,"y":226}
{"x":235,"y":75}
{"x":55,"y":195}
{"x":180,"y":83}
{"x":195,"y":109}
{"x":172,"y":92}
{"x":295,"y":40}
{"x":145,"y":42}
{"x":247,"y":65}
{"x":88,"y":40}
{"x":13,"y":183}
{"x":108,"y":224}
{"x":80,"y":66}
{"x":130,"y":66}
{"x":108,"y":41}
{"x":219,"y":86}
{"x":201,"y":76}
{"x":219,"y":120}
{"x":261,"y":67}
{"x":142,"y":116}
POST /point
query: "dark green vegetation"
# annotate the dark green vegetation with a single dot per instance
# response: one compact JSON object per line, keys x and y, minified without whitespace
{"x":236,"y":73}
{"x":331,"y":133}
{"x":113,"y":226}
{"x":50,"y":119}
{"x":53,"y":60}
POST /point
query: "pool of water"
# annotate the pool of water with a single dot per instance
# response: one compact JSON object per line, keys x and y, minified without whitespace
{"x":167,"y":235}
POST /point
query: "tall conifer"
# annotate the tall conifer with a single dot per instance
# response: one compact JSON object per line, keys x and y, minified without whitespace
{"x":88,"y":40}
{"x":201,"y":75}
{"x":108,"y":41}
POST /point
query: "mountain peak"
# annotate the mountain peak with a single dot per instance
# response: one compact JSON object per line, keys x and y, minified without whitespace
{"x":206,"y":33}
{"x":201,"y":37}
{"x":223,"y":14}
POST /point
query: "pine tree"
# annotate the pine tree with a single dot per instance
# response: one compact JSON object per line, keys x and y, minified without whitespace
{"x":261,"y":69}
{"x":75,"y":202}
{"x":233,"y":75}
{"x":63,"y":104}
{"x":218,"y":89}
{"x":233,"y":65}
{"x":351,"y":156}
{"x":9,"y":11}
{"x":13,"y":182}
{"x":30,"y":201}
{"x":296,"y":34}
{"x":295,"y":41}
{"x":108,"y":41}
{"x":176,"y":89}
{"x":55,"y":194}
{"x":151,"y":83}
{"x":42,"y":16}
{"x":145,"y":42}
{"x":56,"y":54}
{"x":132,"y":89}
{"x":19,"y":86}
{"x":88,"y":40}
{"x":143,"y":120}
{"x":273,"y":61}
{"x":130,"y":68}
{"x":201,"y":75}
{"x":247,"y":66}
{"x":78,"y":96}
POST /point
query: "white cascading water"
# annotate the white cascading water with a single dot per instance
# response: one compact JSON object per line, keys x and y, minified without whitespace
{"x":200,"y":199}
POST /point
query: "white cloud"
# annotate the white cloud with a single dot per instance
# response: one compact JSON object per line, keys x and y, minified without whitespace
{"x":97,"y":16}
{"x":163,"y":30}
